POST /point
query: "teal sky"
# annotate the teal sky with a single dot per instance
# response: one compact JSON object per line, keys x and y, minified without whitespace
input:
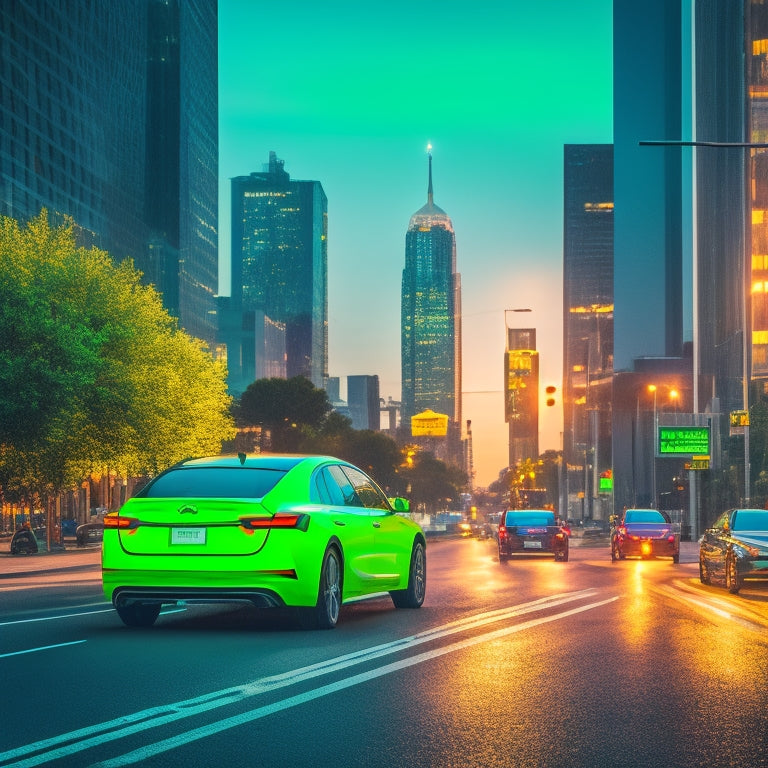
{"x":351,"y":93}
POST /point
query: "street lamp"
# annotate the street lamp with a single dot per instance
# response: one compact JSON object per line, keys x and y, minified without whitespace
{"x":673,"y":395}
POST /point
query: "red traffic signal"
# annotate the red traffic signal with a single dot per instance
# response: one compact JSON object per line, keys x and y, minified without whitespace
{"x":550,"y":390}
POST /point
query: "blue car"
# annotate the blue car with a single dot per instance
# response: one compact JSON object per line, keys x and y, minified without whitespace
{"x":735,"y":549}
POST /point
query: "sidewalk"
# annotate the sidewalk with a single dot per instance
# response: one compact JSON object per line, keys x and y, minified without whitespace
{"x":71,"y":558}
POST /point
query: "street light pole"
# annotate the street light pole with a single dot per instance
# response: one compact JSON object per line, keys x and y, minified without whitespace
{"x":653,"y":388}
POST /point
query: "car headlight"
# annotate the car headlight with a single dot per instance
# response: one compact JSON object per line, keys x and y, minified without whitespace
{"x":744,"y":550}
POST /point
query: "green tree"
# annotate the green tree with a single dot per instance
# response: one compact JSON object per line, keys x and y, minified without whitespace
{"x":291,"y":409}
{"x":433,"y":483}
{"x":99,"y":374}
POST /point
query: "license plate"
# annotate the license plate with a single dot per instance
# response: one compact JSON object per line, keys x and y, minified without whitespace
{"x":532,"y":545}
{"x":188,"y":535}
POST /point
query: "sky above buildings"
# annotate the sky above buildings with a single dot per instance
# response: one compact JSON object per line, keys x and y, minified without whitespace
{"x":351,"y":93}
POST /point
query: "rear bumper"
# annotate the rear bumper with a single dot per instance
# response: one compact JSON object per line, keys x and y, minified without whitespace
{"x":261,"y":588}
{"x":516,"y":546}
{"x":261,"y":598}
{"x":649,"y":547}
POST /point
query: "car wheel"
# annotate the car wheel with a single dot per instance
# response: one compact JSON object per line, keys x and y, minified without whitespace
{"x":138,"y":614}
{"x":676,"y":557}
{"x":502,"y":557}
{"x":704,"y":577}
{"x":325,"y":613}
{"x":732,"y":578}
{"x":413,"y":596}
{"x":616,"y":552}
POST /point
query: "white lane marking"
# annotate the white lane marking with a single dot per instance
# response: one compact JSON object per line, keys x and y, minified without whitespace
{"x":42,"y":648}
{"x":81,"y":613}
{"x":161,"y":715}
{"x":182,"y":739}
{"x":54,"y":618}
{"x":709,"y":604}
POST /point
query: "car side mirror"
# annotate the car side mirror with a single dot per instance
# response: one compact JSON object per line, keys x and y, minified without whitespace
{"x":400,"y":504}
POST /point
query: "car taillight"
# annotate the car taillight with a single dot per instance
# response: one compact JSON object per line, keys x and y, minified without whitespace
{"x":117,"y":521}
{"x":671,"y":538}
{"x":502,"y":532}
{"x":278,"y":520}
{"x":622,"y":531}
{"x":560,"y":535}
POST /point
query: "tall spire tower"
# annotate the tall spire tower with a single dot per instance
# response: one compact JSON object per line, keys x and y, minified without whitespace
{"x":431,"y":314}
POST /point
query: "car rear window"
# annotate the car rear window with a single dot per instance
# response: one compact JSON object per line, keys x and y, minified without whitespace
{"x":525,"y":518}
{"x":644,"y":516}
{"x":750,"y":520}
{"x":213,"y":482}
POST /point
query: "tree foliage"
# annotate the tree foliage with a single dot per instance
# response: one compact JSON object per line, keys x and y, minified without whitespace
{"x":98,"y":374}
{"x":291,"y":409}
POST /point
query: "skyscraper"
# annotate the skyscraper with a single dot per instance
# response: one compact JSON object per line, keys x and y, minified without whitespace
{"x":587,"y":316}
{"x":681,"y":299}
{"x":431,"y":315}
{"x":110,"y":117}
{"x":363,"y":402}
{"x":280,"y":265}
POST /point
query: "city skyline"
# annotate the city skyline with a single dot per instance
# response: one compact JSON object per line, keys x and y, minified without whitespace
{"x":351,"y":98}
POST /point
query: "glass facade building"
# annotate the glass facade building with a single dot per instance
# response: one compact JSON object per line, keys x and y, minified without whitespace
{"x":431,"y":315}
{"x":280,"y":266}
{"x":681,"y":320}
{"x":363,"y":402}
{"x":757,"y":74}
{"x":587,"y":316}
{"x":110,"y":116}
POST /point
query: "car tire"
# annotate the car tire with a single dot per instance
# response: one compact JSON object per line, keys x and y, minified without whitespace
{"x":325,"y":613}
{"x":676,"y":558}
{"x":704,"y":576}
{"x":561,"y":557}
{"x":138,"y":614}
{"x":732,"y":578}
{"x":413,"y":595}
{"x":502,"y":557}
{"x":616,"y":552}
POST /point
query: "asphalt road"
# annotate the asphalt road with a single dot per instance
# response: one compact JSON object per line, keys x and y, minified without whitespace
{"x":527,"y":663}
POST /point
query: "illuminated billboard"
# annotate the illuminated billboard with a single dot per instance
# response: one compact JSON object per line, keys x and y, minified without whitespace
{"x":682,"y":441}
{"x":429,"y":424}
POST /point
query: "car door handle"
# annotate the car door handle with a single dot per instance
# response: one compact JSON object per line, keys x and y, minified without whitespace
{"x":377,"y":524}
{"x":339,"y":522}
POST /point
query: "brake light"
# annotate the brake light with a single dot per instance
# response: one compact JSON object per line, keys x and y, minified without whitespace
{"x":560,"y":535}
{"x":278,"y":520}
{"x":622,"y":531}
{"x":116,"y":521}
{"x":502,"y":532}
{"x":671,"y":539}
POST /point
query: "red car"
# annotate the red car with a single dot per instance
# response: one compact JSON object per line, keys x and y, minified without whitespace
{"x":645,"y":533}
{"x":531,"y":532}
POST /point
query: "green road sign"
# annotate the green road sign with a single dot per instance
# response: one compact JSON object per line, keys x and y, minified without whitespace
{"x":683,"y":441}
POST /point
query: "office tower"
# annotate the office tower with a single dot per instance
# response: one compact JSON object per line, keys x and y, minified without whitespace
{"x":680,"y":320}
{"x":280,"y":262}
{"x":587,"y":319}
{"x":757,"y":106}
{"x":521,"y":394}
{"x":431,"y":315}
{"x":110,"y":117}
{"x":363,"y":402}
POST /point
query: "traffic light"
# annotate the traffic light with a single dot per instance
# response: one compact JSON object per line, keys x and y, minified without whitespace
{"x":550,"y":390}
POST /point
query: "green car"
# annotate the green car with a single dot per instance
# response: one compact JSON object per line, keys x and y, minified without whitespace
{"x":306,"y":531}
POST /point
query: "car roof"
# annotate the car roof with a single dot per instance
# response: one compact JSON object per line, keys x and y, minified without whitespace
{"x":256,"y":461}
